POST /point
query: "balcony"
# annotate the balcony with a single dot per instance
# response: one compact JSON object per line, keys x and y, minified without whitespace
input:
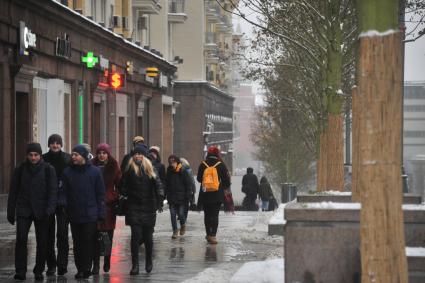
{"x":147,"y":6}
{"x":176,"y":11}
{"x":212,"y":11}
{"x":211,"y":41}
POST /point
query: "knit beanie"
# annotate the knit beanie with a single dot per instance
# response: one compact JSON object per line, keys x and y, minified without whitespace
{"x":103,"y":147}
{"x":154,"y":149}
{"x":54,"y":138}
{"x":141,"y":149}
{"x":213,"y":150}
{"x":34,"y":147}
{"x":138,"y":139}
{"x":81,"y":150}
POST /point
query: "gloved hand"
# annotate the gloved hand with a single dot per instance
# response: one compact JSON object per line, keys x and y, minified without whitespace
{"x":11,"y":219}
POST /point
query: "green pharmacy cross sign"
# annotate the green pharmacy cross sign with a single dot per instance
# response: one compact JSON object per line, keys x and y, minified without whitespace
{"x":90,"y":60}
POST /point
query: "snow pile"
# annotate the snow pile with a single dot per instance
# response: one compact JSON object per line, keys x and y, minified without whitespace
{"x":269,"y":271}
{"x":415,"y":252}
{"x":278,"y":217}
{"x":331,"y":205}
{"x":212,"y":275}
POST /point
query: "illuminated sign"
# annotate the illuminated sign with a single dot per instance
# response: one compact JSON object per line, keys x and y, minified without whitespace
{"x":27,"y":39}
{"x":90,"y":59}
{"x":116,"y":80}
{"x":152,"y":72}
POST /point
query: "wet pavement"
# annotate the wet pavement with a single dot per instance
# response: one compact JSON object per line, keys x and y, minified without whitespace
{"x":242,"y":238}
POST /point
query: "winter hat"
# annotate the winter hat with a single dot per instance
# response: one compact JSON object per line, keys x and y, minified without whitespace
{"x":81,"y":150}
{"x":172,"y":158}
{"x":103,"y":147}
{"x":213,"y":150}
{"x":141,"y":149}
{"x":34,"y":147}
{"x":154,"y":149}
{"x":138,"y":139}
{"x":55,"y":138}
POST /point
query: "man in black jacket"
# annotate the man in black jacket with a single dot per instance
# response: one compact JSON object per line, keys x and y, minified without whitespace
{"x":32,"y":198}
{"x":250,"y":187}
{"x":137,"y":140}
{"x":59,"y":160}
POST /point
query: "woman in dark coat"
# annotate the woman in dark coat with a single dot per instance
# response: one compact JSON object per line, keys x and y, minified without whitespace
{"x":145,"y":194}
{"x":265,"y":193}
{"x":211,"y":201}
{"x":111,"y":173}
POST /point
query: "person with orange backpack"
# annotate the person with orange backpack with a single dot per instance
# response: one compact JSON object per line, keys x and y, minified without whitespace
{"x":215,"y":179}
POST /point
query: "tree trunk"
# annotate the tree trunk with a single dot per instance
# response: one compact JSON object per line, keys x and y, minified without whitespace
{"x":355,"y":194}
{"x":335,"y":153}
{"x":321,"y":163}
{"x":383,"y":256}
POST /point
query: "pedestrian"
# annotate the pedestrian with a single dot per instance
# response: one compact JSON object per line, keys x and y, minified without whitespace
{"x":88,"y":147}
{"x":155,"y":158}
{"x":178,"y":190}
{"x":111,"y":177}
{"x":84,"y":193}
{"x":59,"y":160}
{"x":265,"y":193}
{"x":191,"y":204}
{"x":250,"y":187}
{"x":32,"y":198}
{"x":215,"y":179}
{"x":145,"y":194}
{"x":137,"y":140}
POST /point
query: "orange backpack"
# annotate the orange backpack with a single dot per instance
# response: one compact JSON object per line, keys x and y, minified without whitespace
{"x":210,"y":181}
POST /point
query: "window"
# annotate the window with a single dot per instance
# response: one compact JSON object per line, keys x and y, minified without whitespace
{"x":414,"y":108}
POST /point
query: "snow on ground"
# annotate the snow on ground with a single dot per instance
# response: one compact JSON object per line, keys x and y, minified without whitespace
{"x":278,"y":216}
{"x":415,"y":252}
{"x":269,"y":271}
{"x":220,"y":274}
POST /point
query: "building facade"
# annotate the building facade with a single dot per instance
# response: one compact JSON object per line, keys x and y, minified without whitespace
{"x":61,"y":72}
{"x":203,"y":83}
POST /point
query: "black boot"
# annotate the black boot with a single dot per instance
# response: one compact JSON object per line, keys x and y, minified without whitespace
{"x":95,"y":269}
{"x":148,"y":262}
{"x":135,"y":264}
{"x":107,"y":263}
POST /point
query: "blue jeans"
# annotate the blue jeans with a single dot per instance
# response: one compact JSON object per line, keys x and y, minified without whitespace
{"x":177,"y":209}
{"x":265,"y":205}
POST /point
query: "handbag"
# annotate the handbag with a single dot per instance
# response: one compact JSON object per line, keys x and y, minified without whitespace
{"x":105,"y":244}
{"x":119,"y":209}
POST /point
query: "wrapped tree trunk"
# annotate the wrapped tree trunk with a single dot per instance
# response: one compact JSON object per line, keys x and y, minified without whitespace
{"x":335,"y":153}
{"x":383,"y":257}
{"x":321,"y":163}
{"x":355,"y":195}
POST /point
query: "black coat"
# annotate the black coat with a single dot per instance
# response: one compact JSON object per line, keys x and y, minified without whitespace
{"x":178,"y":186}
{"x":84,"y":193}
{"x":265,"y":191}
{"x":250,"y":185}
{"x":59,"y":161}
{"x":144,"y":198}
{"x":160,"y":169}
{"x":33,"y":191}
{"x":223,"y":176}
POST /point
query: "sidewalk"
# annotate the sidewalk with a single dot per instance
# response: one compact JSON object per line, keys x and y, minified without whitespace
{"x":242,"y":238}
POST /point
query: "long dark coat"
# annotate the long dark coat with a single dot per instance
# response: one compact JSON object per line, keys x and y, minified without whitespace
{"x":178,"y":185}
{"x":144,"y":197}
{"x":111,"y":177}
{"x":33,"y":191}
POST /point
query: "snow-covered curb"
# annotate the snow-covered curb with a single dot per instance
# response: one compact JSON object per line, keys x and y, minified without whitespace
{"x":415,"y":252}
{"x":269,"y":271}
{"x":331,"y":193}
{"x":354,"y":206}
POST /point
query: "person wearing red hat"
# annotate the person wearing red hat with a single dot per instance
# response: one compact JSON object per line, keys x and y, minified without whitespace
{"x":111,"y":177}
{"x":211,"y":200}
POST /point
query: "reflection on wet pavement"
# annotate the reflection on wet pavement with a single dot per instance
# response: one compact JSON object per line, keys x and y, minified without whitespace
{"x":242,"y":237}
